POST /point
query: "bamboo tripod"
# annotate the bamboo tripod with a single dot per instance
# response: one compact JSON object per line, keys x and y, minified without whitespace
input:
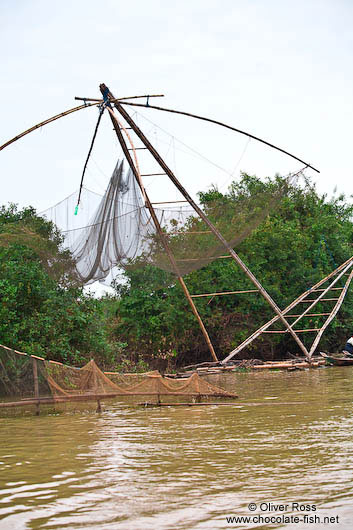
{"x":107,"y":101}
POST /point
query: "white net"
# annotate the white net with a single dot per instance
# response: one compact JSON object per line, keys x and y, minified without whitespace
{"x":117,"y":230}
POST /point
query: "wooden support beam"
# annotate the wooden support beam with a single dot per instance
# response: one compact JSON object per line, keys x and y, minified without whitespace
{"x":100,"y":397}
{"x":168,"y":202}
{"x":121,"y":99}
{"x":187,"y":233}
{"x":150,"y":174}
{"x":330,"y":289}
{"x":318,"y":300}
{"x":216,"y":122}
{"x":310,"y":315}
{"x":222,"y":294}
{"x":333,"y":314}
{"x":297,"y":330}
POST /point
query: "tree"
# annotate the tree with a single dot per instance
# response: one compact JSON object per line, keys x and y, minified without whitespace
{"x":302,"y":237}
{"x":43,"y":310}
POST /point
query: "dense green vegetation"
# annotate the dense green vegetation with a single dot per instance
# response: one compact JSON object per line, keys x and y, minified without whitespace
{"x":303,"y":238}
{"x":43,"y":311}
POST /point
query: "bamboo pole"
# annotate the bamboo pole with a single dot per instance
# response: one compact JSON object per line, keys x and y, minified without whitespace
{"x":295,"y":302}
{"x":45,"y":122}
{"x":227,"y":292}
{"x":332,"y":315}
{"x":122,"y":99}
{"x":218,"y":235}
{"x":189,"y":114}
{"x":102,"y":397}
{"x":310,"y":315}
{"x":297,"y":330}
{"x":161,"y":233}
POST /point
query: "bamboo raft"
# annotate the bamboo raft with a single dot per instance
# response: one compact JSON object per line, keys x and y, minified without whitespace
{"x":210,"y":368}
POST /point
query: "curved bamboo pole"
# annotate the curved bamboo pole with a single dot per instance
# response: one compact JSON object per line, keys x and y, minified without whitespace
{"x":45,"y":122}
{"x":216,"y":122}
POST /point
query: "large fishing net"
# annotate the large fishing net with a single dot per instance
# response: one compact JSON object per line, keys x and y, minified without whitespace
{"x":27,"y":379}
{"x":117,"y":230}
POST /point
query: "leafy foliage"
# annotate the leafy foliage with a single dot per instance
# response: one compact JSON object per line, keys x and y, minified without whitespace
{"x":298,"y":242}
{"x":42,"y":311}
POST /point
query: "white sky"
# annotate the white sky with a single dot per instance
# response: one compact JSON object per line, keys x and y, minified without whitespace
{"x":278,"y":69}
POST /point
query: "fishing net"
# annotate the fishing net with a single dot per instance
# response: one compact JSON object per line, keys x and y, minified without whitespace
{"x":121,"y":231}
{"x":24,"y":378}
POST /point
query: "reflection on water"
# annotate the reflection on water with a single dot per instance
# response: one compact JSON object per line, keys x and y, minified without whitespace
{"x":287,"y":439}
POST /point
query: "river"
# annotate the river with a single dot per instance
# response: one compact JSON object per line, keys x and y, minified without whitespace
{"x":287,"y":439}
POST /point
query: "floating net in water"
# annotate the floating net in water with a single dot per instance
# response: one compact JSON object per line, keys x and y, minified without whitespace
{"x":26,"y":379}
{"x":122,"y":233}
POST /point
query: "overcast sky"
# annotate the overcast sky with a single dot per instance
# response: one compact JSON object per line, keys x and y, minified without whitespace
{"x":281,"y":70}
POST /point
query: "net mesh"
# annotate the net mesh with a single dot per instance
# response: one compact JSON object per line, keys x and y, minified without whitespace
{"x":26,"y":377}
{"x":122,"y":233}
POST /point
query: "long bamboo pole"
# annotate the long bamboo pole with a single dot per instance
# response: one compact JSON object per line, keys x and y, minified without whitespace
{"x":161,"y":234}
{"x":45,"y":122}
{"x":215,"y":231}
{"x":325,"y":291}
{"x":216,"y":122}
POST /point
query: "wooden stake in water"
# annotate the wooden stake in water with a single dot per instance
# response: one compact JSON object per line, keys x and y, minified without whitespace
{"x":36,"y":384}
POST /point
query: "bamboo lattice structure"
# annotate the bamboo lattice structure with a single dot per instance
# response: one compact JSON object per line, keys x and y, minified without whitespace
{"x":332,"y":278}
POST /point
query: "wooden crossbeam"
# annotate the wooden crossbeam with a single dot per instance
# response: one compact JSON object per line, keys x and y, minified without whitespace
{"x":310,"y":315}
{"x":226,"y":292}
{"x":321,"y":300}
{"x":296,"y":330}
{"x":167,"y":202}
{"x":151,"y":174}
{"x":186,"y":233}
{"x":330,"y":289}
{"x":200,"y":259}
{"x":120,"y":99}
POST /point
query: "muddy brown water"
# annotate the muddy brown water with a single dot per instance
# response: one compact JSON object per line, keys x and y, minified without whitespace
{"x":288,"y":439}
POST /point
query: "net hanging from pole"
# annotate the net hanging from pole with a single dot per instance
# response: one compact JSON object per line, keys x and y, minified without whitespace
{"x":25,"y":377}
{"x":121,"y":232}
